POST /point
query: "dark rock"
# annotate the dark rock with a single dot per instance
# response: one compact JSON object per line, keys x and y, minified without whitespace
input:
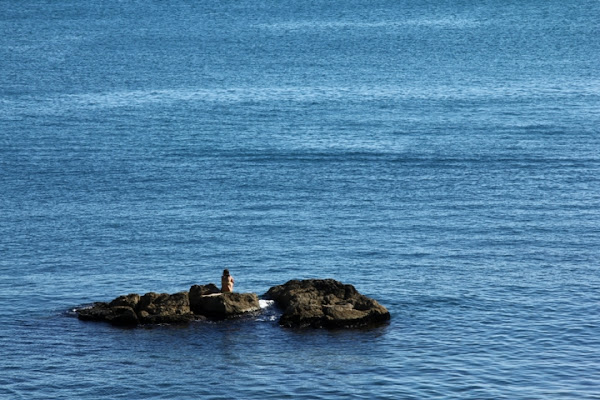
{"x":158,"y":308}
{"x":123,"y":316}
{"x":225,"y":305}
{"x":130,"y":300}
{"x":145,"y":303}
{"x":117,"y":315}
{"x":203,"y":290}
{"x":164,"y":303}
{"x":162,"y":308}
{"x":197,"y":291}
{"x":316,"y":302}
{"x":98,"y":312}
{"x":325,"y":303}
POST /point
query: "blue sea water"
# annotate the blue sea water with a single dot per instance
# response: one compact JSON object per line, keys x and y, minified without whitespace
{"x":442,"y":156}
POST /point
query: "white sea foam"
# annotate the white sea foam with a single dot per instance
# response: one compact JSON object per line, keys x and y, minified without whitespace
{"x":265,"y":303}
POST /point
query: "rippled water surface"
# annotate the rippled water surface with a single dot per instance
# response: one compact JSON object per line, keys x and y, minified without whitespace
{"x":443,"y":157}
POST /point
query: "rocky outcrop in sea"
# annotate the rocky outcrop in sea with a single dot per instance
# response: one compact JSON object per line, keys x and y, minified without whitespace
{"x":199,"y":303}
{"x":325,"y":303}
{"x":317,"y":303}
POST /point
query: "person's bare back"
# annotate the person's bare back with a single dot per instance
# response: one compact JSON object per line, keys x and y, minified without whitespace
{"x":226,"y":282}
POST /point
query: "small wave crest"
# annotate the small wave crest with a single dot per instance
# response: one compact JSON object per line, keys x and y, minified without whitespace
{"x":265,"y":303}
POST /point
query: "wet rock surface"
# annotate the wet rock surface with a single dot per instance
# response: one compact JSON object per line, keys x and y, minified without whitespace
{"x":325,"y":303}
